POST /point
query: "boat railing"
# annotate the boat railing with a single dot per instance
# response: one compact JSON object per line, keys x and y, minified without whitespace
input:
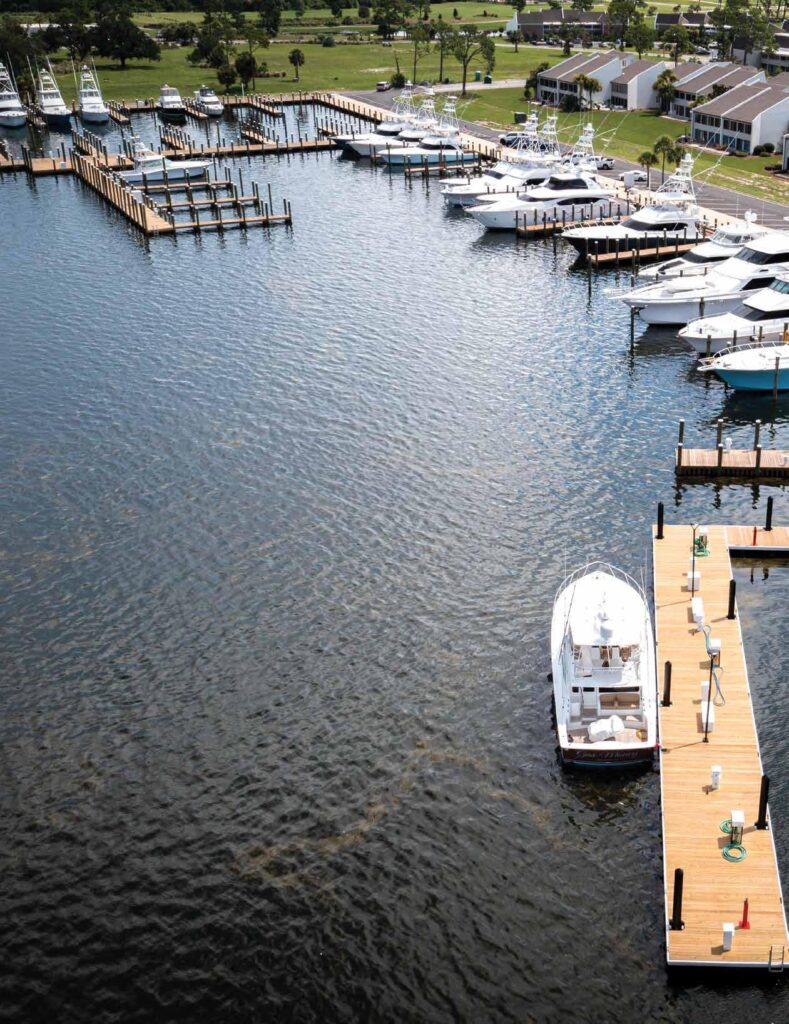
{"x":599,"y":566}
{"x":708,"y":361}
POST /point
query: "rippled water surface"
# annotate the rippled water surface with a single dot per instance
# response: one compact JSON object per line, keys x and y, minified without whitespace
{"x":282,"y":519}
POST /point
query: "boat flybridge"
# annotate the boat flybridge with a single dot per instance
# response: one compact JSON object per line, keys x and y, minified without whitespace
{"x":405,"y":116}
{"x":751,"y":367}
{"x":582,"y":154}
{"x":170,"y":106}
{"x":529,"y":162}
{"x":12,"y":113}
{"x":761,"y":317}
{"x":682,"y":299}
{"x":604,"y":677}
{"x":50,"y":101}
{"x":151,"y":166}
{"x":727,"y":240}
{"x":89,"y":99}
{"x":207,"y":102}
{"x":442,"y":144}
{"x":671,"y":216}
{"x":567,"y":193}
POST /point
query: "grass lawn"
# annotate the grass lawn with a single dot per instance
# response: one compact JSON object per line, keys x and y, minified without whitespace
{"x":627,"y":134}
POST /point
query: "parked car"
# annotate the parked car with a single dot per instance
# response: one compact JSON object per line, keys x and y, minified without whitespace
{"x":637,"y":175}
{"x":604,"y":163}
{"x":382,"y":86}
{"x":510,"y":138}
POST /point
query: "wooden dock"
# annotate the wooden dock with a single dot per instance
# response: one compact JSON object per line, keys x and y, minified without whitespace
{"x":724,"y":462}
{"x":547,"y":226}
{"x":713,"y":889}
{"x":643,"y":255}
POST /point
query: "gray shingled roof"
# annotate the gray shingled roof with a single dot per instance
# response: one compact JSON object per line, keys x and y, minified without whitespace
{"x":745,"y":102}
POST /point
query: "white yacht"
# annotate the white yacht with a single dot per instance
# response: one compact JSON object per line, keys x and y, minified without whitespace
{"x":89,"y":99}
{"x":12,"y":113}
{"x":727,"y":240}
{"x":151,"y":166}
{"x":207,"y":101}
{"x":761,"y":316}
{"x":529,"y":162}
{"x":681,"y":299}
{"x":170,"y":106}
{"x":50,"y":101}
{"x":442,"y":144}
{"x":388,"y":132}
{"x":571,"y":193}
{"x":671,"y":216}
{"x":751,"y":367}
{"x":604,"y":678}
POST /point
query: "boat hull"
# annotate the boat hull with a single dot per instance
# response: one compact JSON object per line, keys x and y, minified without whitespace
{"x":12,"y":119}
{"x":755,"y":380}
{"x":405,"y":158}
{"x":175,"y":115}
{"x":509,"y":219}
{"x":576,"y":757}
{"x":181,"y":173}
{"x":682,"y":310}
{"x":625,"y":245}
{"x":94,"y":116}
{"x":61,"y":122}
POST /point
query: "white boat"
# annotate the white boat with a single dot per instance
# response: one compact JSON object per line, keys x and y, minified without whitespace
{"x":151,"y":166}
{"x":727,"y":240}
{"x":89,"y":99}
{"x":569,"y":194}
{"x":528,"y":163}
{"x":671,"y":216}
{"x":751,"y":367}
{"x":682,"y":299}
{"x":761,"y":316}
{"x":604,"y":677}
{"x":442,"y":144}
{"x":170,"y":106}
{"x":50,"y":101}
{"x":390,"y":133}
{"x":207,"y":102}
{"x":12,"y":113}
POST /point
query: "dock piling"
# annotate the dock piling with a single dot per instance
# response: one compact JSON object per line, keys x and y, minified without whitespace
{"x":768,"y":524}
{"x":666,"y":702}
{"x":732,"y":598}
{"x":660,"y":513}
{"x":764,"y":793}
{"x":676,"y":923}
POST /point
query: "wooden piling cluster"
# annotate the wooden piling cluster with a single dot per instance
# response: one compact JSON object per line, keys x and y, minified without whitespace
{"x":134,"y":205}
{"x":722,"y":461}
{"x":88,"y":144}
{"x":572,"y":217}
{"x":118,"y":113}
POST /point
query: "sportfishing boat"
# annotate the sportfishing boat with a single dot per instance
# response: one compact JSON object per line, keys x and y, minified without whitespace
{"x":727,"y":240}
{"x":528,"y":162}
{"x":571,"y":194}
{"x":50,"y":101}
{"x":150,"y":166}
{"x":761,"y":317}
{"x":604,"y":678}
{"x":207,"y":102}
{"x":671,"y":216}
{"x":89,"y":99}
{"x":751,"y":367}
{"x":170,"y":106}
{"x":388,"y":131}
{"x":442,"y":144}
{"x":681,"y":299}
{"x":12,"y":113}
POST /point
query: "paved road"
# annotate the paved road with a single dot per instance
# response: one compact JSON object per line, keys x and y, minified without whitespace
{"x":726,"y":201}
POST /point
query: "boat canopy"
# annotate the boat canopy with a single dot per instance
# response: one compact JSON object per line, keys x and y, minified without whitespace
{"x":616,"y":619}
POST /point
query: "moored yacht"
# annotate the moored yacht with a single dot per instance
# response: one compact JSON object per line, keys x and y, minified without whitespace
{"x":603,"y":661}
{"x":571,"y":193}
{"x":12,"y":113}
{"x":671,"y":216}
{"x":386,"y":132}
{"x":89,"y":99}
{"x":762,"y":316}
{"x":150,"y":166}
{"x":751,"y":367}
{"x":681,"y":299}
{"x":50,"y":101}
{"x":207,"y":102}
{"x":727,"y":240}
{"x":442,"y":144}
{"x":170,"y":106}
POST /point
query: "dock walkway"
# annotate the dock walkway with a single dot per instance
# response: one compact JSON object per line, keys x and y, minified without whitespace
{"x":714,"y":888}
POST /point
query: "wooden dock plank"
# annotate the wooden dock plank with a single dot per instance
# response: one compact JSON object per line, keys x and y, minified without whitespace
{"x":772,"y":462}
{"x":714,"y":889}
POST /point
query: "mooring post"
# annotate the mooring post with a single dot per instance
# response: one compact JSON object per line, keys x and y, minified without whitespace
{"x":758,"y":457}
{"x":768,"y":523}
{"x":732,"y":597}
{"x":764,"y":793}
{"x":719,"y":433}
{"x":680,"y":450}
{"x":757,"y":429}
{"x":720,"y":455}
{"x":676,"y":924}
{"x":666,"y":702}
{"x":660,"y":514}
{"x":681,"y":437}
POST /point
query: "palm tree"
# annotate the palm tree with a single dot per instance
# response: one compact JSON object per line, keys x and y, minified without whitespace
{"x":586,"y":83}
{"x":647,"y":160}
{"x":665,"y":147}
{"x":296,"y":58}
{"x":664,"y":87}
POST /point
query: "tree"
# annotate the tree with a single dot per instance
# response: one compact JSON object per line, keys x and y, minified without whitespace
{"x":296,"y":58}
{"x":117,"y":36}
{"x":445,"y":41}
{"x":226,"y":76}
{"x":471,"y":42}
{"x":335,"y":6}
{"x":533,"y":81}
{"x":390,"y":16}
{"x":647,"y":160}
{"x":16,"y":45}
{"x":214,"y":39}
{"x":621,"y":13}
{"x":678,"y":38}
{"x":420,"y":39}
{"x":518,"y":6}
{"x":269,"y":15}
{"x":246,"y":69}
{"x":255,"y":37}
{"x":582,"y":5}
{"x":665,"y":89}
{"x":640,"y":36}
{"x":515,"y":38}
{"x":589,"y":84}
{"x":665,"y":148}
{"x":566,"y":33}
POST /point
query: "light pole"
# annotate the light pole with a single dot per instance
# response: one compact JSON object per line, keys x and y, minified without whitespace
{"x":693,"y":562}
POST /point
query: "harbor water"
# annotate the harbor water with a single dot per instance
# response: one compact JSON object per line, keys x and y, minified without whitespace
{"x":283,"y":515}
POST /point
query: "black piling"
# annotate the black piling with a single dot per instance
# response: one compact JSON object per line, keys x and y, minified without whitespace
{"x":666,"y":702}
{"x":730,"y":614}
{"x":676,"y":924}
{"x":764,"y":793}
{"x":660,"y":515}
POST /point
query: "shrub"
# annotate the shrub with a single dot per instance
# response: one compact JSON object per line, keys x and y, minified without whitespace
{"x":397,"y":81}
{"x":569,"y":104}
{"x":757,"y":150}
{"x":364,"y":12}
{"x":768,"y":147}
{"x":327,"y":41}
{"x":347,"y":21}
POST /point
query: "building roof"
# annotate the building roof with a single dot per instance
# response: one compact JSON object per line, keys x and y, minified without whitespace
{"x":725,"y":74}
{"x":635,"y":69}
{"x":570,"y":64}
{"x":594,"y":62}
{"x":746,"y":101}
{"x":552,"y":16}
{"x":688,"y":19}
{"x":684,"y":71}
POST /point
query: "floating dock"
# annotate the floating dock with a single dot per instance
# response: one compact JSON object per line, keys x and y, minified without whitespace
{"x":723,"y":462}
{"x":704,"y":891}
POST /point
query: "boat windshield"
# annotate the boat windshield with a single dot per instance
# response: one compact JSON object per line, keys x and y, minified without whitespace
{"x":694,"y":257}
{"x":634,"y":224}
{"x":761,"y":259}
{"x":563,"y":184}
